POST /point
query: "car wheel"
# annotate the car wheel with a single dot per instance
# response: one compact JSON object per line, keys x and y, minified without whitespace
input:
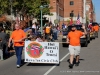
{"x":89,"y":40}
{"x":65,"y":45}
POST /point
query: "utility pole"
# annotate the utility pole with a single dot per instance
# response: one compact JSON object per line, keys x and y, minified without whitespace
{"x":84,"y":14}
{"x":11,"y":12}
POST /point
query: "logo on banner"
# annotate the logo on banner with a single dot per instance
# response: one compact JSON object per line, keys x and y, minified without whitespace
{"x":34,"y":50}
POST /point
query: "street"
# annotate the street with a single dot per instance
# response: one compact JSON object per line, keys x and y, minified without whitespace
{"x":89,"y":63}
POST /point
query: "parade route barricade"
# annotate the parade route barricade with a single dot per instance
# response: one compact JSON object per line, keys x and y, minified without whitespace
{"x":42,"y":52}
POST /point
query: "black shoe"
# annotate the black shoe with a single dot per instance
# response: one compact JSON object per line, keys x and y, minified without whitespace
{"x":70,"y":66}
{"x":77,"y":64}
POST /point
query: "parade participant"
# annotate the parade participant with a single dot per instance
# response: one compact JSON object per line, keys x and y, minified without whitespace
{"x":18,"y":36}
{"x":73,"y":39}
{"x":96,"y":29}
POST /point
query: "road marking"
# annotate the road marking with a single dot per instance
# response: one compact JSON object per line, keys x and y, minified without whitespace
{"x":56,"y":65}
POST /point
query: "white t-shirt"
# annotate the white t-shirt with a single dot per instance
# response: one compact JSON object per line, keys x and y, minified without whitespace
{"x":33,"y":26}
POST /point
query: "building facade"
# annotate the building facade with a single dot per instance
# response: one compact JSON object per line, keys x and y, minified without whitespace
{"x":63,"y":10}
{"x":77,"y":6}
{"x":90,"y":11}
{"x":57,"y":10}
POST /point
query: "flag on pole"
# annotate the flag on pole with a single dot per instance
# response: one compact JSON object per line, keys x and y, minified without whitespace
{"x":78,"y":19}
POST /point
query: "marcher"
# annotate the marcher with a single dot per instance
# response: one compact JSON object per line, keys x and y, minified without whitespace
{"x":96,"y":29}
{"x":73,"y":39}
{"x":18,"y":36}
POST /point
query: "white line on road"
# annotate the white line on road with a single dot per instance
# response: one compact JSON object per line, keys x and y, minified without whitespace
{"x":56,"y":65}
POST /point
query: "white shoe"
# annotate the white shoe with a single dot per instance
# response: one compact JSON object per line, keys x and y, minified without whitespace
{"x":18,"y":66}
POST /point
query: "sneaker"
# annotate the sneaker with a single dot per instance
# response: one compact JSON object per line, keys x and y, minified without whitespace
{"x":77,"y":64}
{"x":18,"y":66}
{"x":70,"y":66}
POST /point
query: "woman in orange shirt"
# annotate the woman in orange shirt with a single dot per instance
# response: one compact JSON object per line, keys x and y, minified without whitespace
{"x":18,"y":36}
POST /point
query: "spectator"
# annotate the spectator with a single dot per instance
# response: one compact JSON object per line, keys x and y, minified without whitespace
{"x":1,"y":49}
{"x":55,"y":33}
{"x":33,"y":28}
{"x":3,"y":36}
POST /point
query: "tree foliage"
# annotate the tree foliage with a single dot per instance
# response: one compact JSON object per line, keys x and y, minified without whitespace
{"x":31,"y":6}
{"x":3,"y":6}
{"x":24,"y":6}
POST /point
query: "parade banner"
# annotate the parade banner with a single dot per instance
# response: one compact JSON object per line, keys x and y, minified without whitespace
{"x":41,"y":52}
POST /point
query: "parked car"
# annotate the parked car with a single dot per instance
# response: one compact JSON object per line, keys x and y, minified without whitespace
{"x":84,"y":40}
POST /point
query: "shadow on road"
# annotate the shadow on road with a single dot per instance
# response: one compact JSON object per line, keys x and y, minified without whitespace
{"x":41,"y":64}
{"x":74,"y":62}
{"x":23,"y":63}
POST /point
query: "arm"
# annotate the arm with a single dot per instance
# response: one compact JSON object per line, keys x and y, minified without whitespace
{"x":10,"y":39}
{"x":67,"y":39}
{"x":23,"y":38}
{"x":85,"y":32}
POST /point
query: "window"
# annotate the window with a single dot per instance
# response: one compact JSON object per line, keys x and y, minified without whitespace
{"x":71,"y":14}
{"x":71,"y":2}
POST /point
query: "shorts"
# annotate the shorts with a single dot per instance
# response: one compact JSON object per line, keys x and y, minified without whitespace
{"x":74,"y":50}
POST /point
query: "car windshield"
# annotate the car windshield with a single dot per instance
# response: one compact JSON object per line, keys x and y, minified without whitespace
{"x":78,"y":27}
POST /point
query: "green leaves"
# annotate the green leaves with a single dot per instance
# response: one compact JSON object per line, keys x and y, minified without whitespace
{"x":3,"y":6}
{"x":24,"y":6}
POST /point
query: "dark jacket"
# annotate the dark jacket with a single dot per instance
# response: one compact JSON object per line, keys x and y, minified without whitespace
{"x":1,"y":45}
{"x":3,"y":36}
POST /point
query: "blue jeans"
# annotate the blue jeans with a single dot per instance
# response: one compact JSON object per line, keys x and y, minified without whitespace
{"x":55,"y":35}
{"x":18,"y":50}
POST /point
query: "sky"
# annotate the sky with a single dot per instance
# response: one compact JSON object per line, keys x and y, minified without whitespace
{"x":97,"y":9}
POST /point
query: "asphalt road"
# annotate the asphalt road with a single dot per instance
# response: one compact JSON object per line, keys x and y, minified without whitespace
{"x":89,"y":63}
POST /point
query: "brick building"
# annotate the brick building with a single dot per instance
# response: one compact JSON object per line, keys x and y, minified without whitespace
{"x":62,"y":10}
{"x":90,"y":11}
{"x":72,"y":5}
{"x":57,"y":10}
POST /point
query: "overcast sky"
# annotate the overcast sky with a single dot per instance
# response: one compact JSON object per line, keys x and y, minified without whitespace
{"x":97,"y":9}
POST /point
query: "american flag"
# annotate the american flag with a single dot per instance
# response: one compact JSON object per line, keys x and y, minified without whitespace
{"x":78,"y":19}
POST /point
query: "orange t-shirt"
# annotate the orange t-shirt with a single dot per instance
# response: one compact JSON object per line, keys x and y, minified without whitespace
{"x":74,"y":37}
{"x":92,"y":28}
{"x":18,"y":35}
{"x":48,"y":29}
{"x":96,"y":28}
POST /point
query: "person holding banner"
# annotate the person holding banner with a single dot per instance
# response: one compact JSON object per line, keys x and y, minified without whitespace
{"x":18,"y":36}
{"x":73,"y":39}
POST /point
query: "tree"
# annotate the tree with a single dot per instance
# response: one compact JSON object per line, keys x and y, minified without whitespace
{"x":31,"y":7}
{"x":3,"y":6}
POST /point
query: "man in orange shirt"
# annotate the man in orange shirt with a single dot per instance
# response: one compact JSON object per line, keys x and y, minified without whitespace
{"x":18,"y":36}
{"x":73,"y":39}
{"x":96,"y":29}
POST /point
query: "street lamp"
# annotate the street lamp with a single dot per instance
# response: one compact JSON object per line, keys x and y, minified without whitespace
{"x":41,"y":8}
